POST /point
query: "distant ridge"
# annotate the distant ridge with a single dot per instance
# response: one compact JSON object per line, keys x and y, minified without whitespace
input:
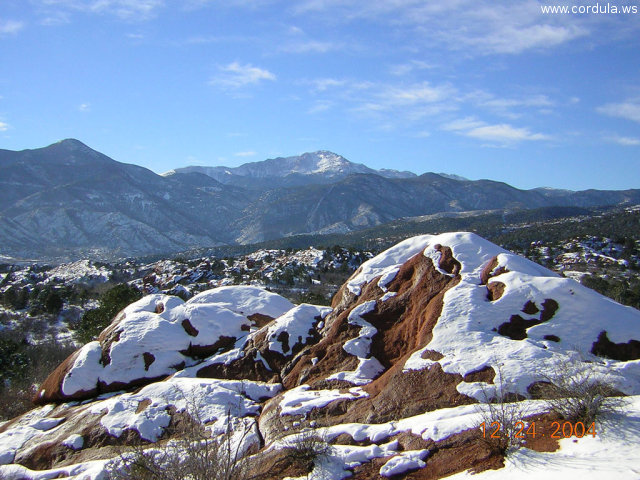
{"x":68,"y":201}
{"x":318,"y":167}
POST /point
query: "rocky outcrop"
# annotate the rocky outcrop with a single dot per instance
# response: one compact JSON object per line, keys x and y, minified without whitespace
{"x":391,"y":376}
{"x":158,"y":336}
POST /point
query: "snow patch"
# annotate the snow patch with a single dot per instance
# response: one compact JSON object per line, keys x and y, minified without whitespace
{"x":296,"y":323}
{"x":301,"y":400}
{"x":368,"y":367}
{"x":403,"y":462}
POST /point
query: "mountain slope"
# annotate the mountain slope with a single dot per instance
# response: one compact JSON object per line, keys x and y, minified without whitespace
{"x":68,"y":201}
{"x":69,"y":197}
{"x":395,"y":376}
{"x":363,"y":201}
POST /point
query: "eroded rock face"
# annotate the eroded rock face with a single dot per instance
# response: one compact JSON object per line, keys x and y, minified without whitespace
{"x":390,"y":375}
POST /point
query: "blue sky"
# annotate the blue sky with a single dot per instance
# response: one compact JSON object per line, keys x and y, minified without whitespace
{"x":484,"y":89}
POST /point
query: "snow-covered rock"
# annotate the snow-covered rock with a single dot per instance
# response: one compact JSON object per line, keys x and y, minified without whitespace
{"x":393,"y":376}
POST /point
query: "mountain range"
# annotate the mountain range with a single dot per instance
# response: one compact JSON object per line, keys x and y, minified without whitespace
{"x":67,"y":200}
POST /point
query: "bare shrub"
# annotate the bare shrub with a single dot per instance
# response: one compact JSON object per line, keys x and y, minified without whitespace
{"x":307,"y":446}
{"x":579,"y":390}
{"x":500,"y":416}
{"x":193,"y":455}
{"x":15,"y":399}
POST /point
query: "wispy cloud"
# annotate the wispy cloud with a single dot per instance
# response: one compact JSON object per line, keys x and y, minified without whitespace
{"x":403,"y":69}
{"x":310,"y":46}
{"x":463,"y":124}
{"x":131,"y":10}
{"x":475,"y":26}
{"x":323,"y":84}
{"x":491,"y":101}
{"x":503,"y":133}
{"x":236,"y":75}
{"x":410,"y":102}
{"x":10,"y":27}
{"x":624,"y":141}
{"x":629,"y":109}
{"x":84,"y":107}
{"x":513,"y":39}
{"x":249,"y":153}
{"x":422,"y":92}
{"x":405,"y":102}
{"x":510,"y":107}
{"x":4,"y":127}
{"x":321,"y":106}
{"x":195,"y":4}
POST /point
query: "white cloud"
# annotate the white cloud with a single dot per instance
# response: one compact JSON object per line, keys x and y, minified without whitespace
{"x":417,"y":93}
{"x":624,"y":141}
{"x":236,"y":75}
{"x":323,"y":83}
{"x":411,"y":102}
{"x":310,"y":46}
{"x":505,"y":103}
{"x":84,"y":107}
{"x":513,"y":39}
{"x":504,"y":133}
{"x":629,"y":109}
{"x":249,"y":153}
{"x":10,"y":27}
{"x":500,"y":133}
{"x":403,"y":69}
{"x":321,"y":106}
{"x":196,"y":4}
{"x":4,"y":127}
{"x":56,"y":18}
{"x":124,"y":9}
{"x":466,"y":123}
{"x":510,"y":107}
{"x":293,"y":30}
{"x":471,"y":26}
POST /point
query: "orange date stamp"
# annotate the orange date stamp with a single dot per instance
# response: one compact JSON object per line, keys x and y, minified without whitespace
{"x":523,"y":430}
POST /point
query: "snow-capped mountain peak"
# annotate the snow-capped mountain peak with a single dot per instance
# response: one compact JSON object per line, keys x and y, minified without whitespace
{"x":322,"y":163}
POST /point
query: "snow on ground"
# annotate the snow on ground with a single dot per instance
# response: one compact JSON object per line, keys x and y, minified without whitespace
{"x":608,"y":455}
{"x":368,"y":367}
{"x":435,"y":425}
{"x":93,"y":470}
{"x":387,"y":263}
{"x":80,"y":271}
{"x":30,"y":425}
{"x":149,"y":344}
{"x":301,"y":400}
{"x":296,"y":324}
{"x":465,"y":335}
{"x":211,"y":401}
{"x":75,"y":441}
{"x":467,"y":309}
{"x":403,"y":462}
{"x":246,"y":300}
